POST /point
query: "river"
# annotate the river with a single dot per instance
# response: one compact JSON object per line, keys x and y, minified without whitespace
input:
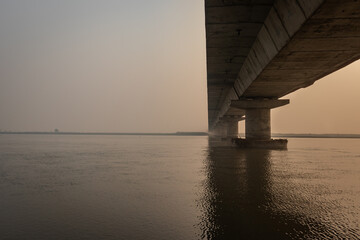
{"x":176,"y":187}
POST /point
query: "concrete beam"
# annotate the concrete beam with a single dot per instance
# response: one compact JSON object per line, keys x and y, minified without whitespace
{"x":229,"y":26}
{"x":259,"y":104}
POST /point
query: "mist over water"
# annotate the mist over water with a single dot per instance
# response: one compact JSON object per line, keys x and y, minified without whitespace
{"x":168,"y":187}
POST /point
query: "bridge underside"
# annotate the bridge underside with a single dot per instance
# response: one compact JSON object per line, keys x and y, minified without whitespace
{"x":265,"y":49}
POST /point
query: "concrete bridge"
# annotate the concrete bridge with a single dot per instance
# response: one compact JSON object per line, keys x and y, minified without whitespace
{"x":261,"y":50}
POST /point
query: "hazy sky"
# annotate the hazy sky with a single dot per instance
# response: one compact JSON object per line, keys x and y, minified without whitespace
{"x":132,"y":66}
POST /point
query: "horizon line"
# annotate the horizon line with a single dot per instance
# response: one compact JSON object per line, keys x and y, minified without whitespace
{"x":185,"y":133}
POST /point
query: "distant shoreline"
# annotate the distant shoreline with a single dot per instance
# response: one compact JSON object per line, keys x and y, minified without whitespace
{"x":275,"y":135}
{"x":308,"y":135}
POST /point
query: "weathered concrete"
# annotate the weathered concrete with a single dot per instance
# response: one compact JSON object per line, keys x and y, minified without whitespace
{"x":231,"y":29}
{"x":257,"y":124}
{"x":267,"y":49}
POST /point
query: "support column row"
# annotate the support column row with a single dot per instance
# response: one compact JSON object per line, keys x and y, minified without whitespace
{"x":228,"y":127}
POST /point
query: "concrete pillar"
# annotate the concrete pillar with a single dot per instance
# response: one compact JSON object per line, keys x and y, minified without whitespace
{"x":232,"y":129}
{"x":257,"y":124}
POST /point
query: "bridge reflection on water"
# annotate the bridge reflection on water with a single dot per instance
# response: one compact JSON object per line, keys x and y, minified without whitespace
{"x":252,"y":194}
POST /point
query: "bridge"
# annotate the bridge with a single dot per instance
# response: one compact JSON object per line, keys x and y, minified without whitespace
{"x":261,"y":50}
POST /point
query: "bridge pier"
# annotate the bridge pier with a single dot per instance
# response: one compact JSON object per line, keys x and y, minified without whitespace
{"x":258,"y":123}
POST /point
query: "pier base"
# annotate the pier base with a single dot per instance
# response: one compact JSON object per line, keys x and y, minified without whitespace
{"x":276,"y":144}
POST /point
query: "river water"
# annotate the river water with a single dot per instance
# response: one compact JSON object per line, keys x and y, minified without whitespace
{"x":172,"y":187}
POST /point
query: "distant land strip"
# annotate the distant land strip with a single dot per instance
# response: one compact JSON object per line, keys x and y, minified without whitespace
{"x":309,"y":135}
